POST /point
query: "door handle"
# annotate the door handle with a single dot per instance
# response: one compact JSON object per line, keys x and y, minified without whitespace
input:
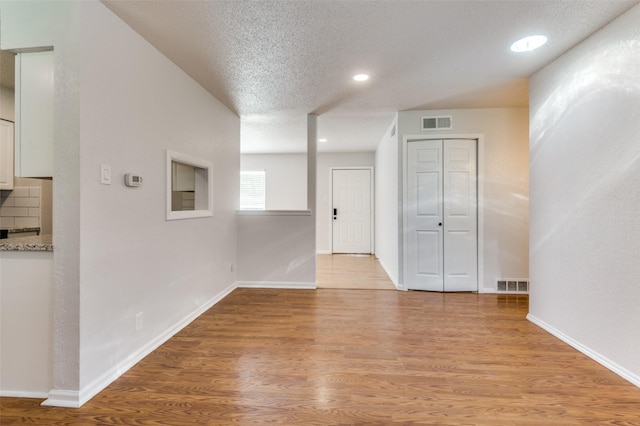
{"x":335,"y":212}
{"x":439,"y":223}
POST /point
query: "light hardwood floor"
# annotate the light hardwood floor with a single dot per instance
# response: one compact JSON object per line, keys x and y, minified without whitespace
{"x":356,"y":272}
{"x":328,"y":357}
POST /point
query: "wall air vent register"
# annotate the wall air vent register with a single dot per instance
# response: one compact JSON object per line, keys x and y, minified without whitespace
{"x":512,"y":285}
{"x":443,"y":122}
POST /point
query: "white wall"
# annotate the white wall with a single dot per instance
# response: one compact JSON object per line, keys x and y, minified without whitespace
{"x":34,"y":24}
{"x":503,"y":160}
{"x":286,"y":178}
{"x":26,"y":287}
{"x":387,"y":203}
{"x":115,"y":255}
{"x":276,"y":250}
{"x":324,"y":213}
{"x":585,"y":196}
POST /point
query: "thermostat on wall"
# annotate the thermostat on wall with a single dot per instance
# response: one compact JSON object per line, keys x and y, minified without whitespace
{"x":132,"y":180}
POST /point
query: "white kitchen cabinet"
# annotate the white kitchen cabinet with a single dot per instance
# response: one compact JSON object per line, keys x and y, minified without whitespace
{"x":34,"y":114}
{"x":184,"y":176}
{"x":6,"y":154}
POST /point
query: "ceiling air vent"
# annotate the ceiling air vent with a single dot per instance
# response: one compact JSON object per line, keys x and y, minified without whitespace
{"x":437,"y":123}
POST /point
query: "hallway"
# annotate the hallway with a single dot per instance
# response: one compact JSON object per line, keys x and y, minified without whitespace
{"x":351,"y":271}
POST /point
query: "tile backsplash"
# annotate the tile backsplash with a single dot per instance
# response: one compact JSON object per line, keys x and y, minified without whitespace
{"x":20,"y":208}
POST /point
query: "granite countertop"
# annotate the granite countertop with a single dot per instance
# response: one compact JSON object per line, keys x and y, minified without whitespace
{"x":33,"y":243}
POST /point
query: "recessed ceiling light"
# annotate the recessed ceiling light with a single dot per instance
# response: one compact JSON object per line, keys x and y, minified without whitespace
{"x":361,"y":77}
{"x":528,"y":44}
{"x":322,"y":140}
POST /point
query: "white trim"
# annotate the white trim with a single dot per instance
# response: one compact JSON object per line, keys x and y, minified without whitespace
{"x":393,"y":280}
{"x":273,"y":212}
{"x":372,"y":208}
{"x":63,"y":398}
{"x":17,"y":135}
{"x":480,"y":209}
{"x":597,"y":357}
{"x":188,"y":214}
{"x":323,"y":252}
{"x":22,"y":394}
{"x":277,"y":284}
{"x":479,"y":137}
{"x":73,"y":399}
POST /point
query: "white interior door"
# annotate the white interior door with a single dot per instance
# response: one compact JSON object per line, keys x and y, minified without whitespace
{"x":441,"y":215}
{"x":425,"y":261}
{"x":351,"y":215}
{"x":460,"y":216}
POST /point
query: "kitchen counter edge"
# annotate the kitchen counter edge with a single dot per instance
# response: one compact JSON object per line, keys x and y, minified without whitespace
{"x":33,"y":243}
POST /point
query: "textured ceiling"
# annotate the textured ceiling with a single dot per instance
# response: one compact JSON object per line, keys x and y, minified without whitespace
{"x":274,"y":61}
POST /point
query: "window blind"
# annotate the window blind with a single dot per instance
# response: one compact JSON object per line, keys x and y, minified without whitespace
{"x":252,"y":190}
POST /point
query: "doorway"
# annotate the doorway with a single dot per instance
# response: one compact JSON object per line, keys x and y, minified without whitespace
{"x":352,"y":211}
{"x":441,"y":230}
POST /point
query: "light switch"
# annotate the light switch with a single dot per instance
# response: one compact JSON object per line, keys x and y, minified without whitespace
{"x":105,"y":174}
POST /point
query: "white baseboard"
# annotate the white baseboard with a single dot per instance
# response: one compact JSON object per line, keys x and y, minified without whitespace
{"x":276,"y":284}
{"x":63,"y":398}
{"x":597,"y":357}
{"x":392,"y":278}
{"x":323,"y":251}
{"x":73,"y":399}
{"x":22,"y":394}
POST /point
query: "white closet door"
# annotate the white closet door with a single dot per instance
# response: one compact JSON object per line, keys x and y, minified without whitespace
{"x":424,"y":237}
{"x":460,"y":216}
{"x":441,"y":208}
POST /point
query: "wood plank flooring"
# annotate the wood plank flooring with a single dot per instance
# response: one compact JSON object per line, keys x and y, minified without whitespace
{"x":351,"y":271}
{"x":336,"y":357}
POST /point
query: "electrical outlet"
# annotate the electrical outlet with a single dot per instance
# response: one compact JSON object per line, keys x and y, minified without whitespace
{"x":138,"y":321}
